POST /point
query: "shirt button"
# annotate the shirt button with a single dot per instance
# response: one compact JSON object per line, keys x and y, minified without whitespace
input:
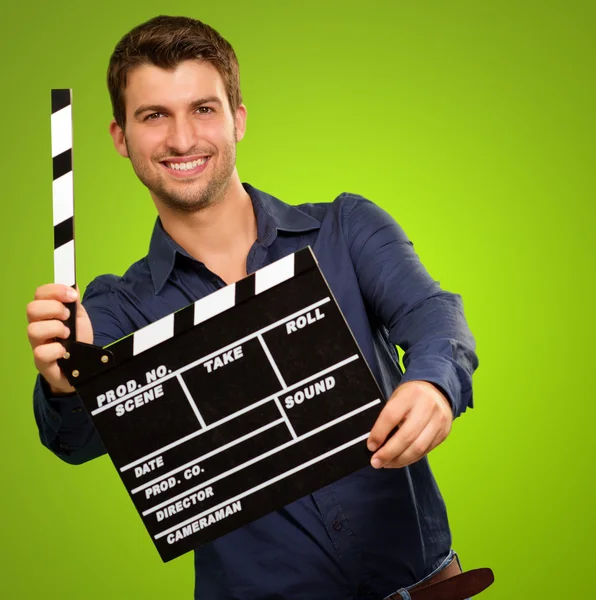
{"x":337,"y":525}
{"x":64,"y":446}
{"x":78,"y":409}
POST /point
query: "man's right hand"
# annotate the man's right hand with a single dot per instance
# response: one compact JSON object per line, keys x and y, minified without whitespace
{"x":46,"y":327}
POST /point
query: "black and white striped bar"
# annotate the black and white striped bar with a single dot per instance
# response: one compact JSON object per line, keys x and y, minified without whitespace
{"x":63,"y":194}
{"x":235,"y":405}
{"x":214,"y":304}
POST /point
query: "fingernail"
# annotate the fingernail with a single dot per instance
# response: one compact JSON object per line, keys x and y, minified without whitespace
{"x":375,"y":462}
{"x":371,"y":446}
{"x":71,"y":294}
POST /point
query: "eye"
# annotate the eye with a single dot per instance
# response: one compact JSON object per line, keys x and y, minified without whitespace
{"x":153,"y":116}
{"x":204,"y":110}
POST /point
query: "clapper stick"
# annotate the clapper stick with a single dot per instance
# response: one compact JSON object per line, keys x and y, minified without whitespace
{"x":63,"y":197}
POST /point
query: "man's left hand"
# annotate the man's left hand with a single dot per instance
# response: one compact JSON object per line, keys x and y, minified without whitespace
{"x":424,"y":417}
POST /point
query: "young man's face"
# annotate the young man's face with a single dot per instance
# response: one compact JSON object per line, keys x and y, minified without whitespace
{"x":180,"y":134}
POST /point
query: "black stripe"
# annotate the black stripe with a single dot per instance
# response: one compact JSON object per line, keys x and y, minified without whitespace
{"x":184,"y":319}
{"x":245,"y":289}
{"x":123,"y":348}
{"x":60,"y":100}
{"x":304,"y":260}
{"x":62,"y":164}
{"x":63,"y":232}
{"x":71,"y":322}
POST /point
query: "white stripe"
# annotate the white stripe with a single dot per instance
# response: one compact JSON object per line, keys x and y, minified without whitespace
{"x":275,"y":273}
{"x":256,"y":459}
{"x":64,"y":264}
{"x":285,"y":416}
{"x":153,"y":334}
{"x":215,"y":303}
{"x":282,"y":382}
{"x":61,"y":130}
{"x":266,"y":483}
{"x":272,"y":363}
{"x":190,"y":400}
{"x":62,"y":198}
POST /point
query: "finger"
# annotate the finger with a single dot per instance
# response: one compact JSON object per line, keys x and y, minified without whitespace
{"x":56,"y":291}
{"x":440,"y":437}
{"x":47,"y":354}
{"x":415,"y":422}
{"x":392,"y":415}
{"x":55,"y":377}
{"x":422,"y":445}
{"x":42,"y":310}
{"x":49,"y":368}
{"x":42,"y":332}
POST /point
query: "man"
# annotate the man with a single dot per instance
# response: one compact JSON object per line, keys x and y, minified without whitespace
{"x":178,"y":115}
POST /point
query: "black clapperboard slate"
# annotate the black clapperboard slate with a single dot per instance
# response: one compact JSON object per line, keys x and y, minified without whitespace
{"x":232,"y":407}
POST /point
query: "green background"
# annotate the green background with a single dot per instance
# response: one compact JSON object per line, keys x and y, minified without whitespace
{"x":471,"y":122}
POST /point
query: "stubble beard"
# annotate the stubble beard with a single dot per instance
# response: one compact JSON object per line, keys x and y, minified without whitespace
{"x":195,"y":197}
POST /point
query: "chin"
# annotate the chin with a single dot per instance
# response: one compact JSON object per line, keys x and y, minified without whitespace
{"x":185,"y":205}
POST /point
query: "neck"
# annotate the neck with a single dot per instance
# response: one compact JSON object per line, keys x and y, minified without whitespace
{"x":219,"y":236}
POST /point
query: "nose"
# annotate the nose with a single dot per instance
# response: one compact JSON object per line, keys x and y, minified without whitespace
{"x":182,"y":135}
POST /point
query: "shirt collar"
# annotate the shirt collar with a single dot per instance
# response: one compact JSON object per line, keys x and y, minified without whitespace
{"x":272,"y":216}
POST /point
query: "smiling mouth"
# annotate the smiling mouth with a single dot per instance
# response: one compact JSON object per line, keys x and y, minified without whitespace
{"x":186,"y":167}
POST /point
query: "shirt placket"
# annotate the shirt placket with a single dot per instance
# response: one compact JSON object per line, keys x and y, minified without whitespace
{"x":339,"y":532}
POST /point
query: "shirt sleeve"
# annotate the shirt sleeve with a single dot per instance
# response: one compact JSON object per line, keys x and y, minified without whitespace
{"x":64,"y":425}
{"x":427,"y":322}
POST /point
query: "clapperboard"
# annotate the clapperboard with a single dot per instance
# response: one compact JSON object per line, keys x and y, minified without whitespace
{"x":230,"y":408}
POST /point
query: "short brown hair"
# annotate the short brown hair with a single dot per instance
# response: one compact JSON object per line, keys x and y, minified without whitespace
{"x":165,"y":42}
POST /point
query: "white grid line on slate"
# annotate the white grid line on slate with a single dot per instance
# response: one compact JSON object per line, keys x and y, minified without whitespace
{"x":282,"y":383}
{"x":191,"y":401}
{"x":285,"y":418}
{"x":272,"y":363}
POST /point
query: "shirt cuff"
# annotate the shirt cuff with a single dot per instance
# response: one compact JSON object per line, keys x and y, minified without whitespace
{"x":443,"y":374}
{"x":55,"y":411}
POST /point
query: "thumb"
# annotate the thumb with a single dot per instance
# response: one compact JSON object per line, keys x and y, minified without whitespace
{"x":79,"y":303}
{"x":83,"y":324}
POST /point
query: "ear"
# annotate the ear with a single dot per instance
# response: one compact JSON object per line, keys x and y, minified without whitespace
{"x":240,"y":121}
{"x":118,"y":136}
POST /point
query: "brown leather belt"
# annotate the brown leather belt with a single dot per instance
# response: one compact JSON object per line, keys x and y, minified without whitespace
{"x":449,"y":584}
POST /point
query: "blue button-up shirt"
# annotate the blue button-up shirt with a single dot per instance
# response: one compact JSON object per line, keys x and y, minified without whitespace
{"x":374,"y":531}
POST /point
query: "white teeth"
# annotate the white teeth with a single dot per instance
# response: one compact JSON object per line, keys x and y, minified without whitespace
{"x":188,"y":165}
